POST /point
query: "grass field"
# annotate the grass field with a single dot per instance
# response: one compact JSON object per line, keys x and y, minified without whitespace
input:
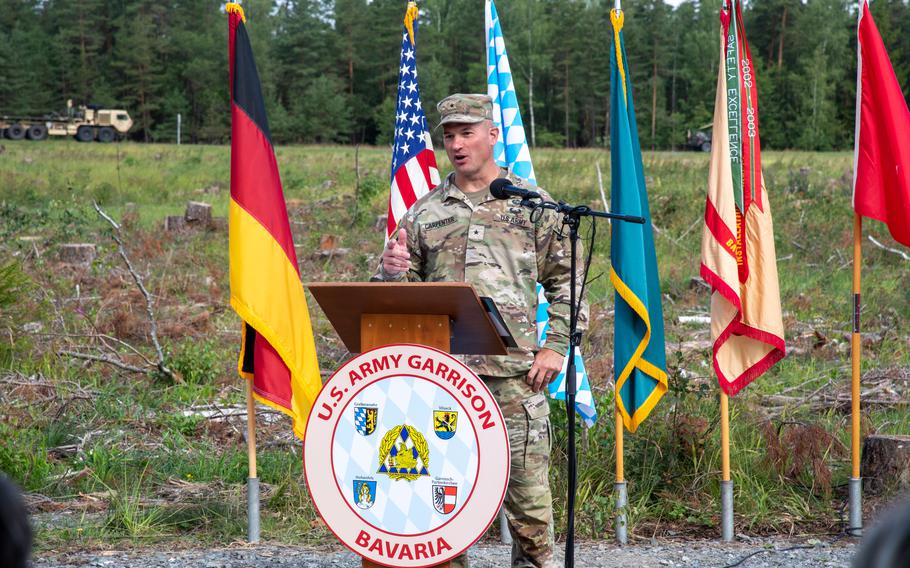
{"x":112,"y":457}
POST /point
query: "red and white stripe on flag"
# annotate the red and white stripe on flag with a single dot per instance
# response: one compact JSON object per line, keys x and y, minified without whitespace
{"x":411,"y":181}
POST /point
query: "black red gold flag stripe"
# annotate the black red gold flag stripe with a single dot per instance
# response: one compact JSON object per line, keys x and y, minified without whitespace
{"x":278,"y":353}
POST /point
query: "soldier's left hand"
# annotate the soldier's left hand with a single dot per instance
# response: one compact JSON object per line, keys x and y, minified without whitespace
{"x":546,"y":367}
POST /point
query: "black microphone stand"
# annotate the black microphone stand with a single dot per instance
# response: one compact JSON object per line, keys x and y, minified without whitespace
{"x":572,"y":215}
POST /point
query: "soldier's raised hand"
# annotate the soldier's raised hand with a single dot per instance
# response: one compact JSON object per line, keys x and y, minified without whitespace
{"x":395,"y":257}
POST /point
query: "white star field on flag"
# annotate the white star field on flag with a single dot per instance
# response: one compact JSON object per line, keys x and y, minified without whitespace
{"x":414,"y":171}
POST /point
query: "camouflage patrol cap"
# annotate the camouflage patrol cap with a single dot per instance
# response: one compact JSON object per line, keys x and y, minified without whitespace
{"x":465,"y":109}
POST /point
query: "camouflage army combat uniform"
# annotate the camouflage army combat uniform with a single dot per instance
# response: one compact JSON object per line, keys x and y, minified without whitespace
{"x":494,"y":245}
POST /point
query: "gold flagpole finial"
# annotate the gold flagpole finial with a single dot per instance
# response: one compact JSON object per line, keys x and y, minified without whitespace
{"x":617,"y":18}
{"x":235,"y":8}
{"x":409,"y":16}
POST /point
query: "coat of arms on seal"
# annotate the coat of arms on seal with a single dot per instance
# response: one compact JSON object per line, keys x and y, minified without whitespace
{"x":404,"y":454}
{"x":365,"y":419}
{"x":444,"y":423}
{"x":444,"y":498}
{"x":364,"y":493}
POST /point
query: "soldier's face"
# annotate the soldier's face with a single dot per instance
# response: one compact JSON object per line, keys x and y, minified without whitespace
{"x":470,"y":146}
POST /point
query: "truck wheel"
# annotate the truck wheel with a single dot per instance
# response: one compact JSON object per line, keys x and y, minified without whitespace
{"x":37,"y":132}
{"x":706,"y":147}
{"x":15,"y":132}
{"x":106,"y":134}
{"x":85,"y":134}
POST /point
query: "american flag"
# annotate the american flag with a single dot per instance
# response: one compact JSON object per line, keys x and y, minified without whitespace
{"x":414,"y":171}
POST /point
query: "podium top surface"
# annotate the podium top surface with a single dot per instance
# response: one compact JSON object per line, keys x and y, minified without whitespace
{"x":473,"y":333}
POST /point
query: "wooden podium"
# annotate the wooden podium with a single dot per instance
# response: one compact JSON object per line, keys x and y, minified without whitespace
{"x":448,"y":316}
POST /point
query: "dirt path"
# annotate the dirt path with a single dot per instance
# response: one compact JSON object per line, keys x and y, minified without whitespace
{"x":771,"y":553}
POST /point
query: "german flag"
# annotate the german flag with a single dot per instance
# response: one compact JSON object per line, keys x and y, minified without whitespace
{"x":278,"y":352}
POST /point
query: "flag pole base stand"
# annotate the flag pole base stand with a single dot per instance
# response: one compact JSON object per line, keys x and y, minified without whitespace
{"x":252,"y":509}
{"x":622,"y":500}
{"x":856,"y":507}
{"x":726,"y":510}
{"x":505,"y":535}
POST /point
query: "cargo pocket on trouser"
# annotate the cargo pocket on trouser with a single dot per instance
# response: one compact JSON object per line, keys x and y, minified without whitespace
{"x":529,"y":503}
{"x":538,"y":439}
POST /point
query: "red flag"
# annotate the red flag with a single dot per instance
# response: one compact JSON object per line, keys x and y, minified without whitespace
{"x":881,"y":186}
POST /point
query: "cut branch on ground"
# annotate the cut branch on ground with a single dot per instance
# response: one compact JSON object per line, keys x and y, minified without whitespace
{"x":150,"y":313}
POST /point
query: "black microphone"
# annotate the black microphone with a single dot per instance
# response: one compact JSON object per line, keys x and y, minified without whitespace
{"x":502,"y":188}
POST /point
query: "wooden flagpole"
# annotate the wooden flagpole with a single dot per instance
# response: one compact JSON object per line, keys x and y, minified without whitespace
{"x":856,"y":483}
{"x":622,"y":500}
{"x":726,"y":484}
{"x":252,"y":482}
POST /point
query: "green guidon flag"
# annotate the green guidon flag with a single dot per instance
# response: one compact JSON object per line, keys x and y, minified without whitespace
{"x":640,"y":368}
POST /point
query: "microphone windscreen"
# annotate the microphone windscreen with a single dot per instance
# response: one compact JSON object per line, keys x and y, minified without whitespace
{"x":498,"y":188}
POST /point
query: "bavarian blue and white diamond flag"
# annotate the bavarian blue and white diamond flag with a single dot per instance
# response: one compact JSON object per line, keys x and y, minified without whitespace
{"x":584,"y":398}
{"x":512,"y":152}
{"x":511,"y":149}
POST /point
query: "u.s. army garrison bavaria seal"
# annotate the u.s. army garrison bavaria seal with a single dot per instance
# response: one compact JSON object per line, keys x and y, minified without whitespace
{"x":406,"y":455}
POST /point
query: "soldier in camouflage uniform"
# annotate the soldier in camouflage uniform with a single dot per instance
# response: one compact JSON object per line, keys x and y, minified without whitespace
{"x":460,"y":233}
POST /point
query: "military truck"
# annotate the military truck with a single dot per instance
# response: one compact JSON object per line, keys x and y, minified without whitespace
{"x":84,"y":122}
{"x":699,"y":139}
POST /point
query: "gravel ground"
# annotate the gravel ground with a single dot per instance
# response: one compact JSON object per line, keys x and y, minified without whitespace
{"x":771,"y":553}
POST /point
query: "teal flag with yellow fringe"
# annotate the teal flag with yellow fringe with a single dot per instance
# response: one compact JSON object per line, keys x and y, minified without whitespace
{"x":640,"y":361}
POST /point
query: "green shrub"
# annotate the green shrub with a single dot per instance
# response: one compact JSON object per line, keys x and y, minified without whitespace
{"x":197,"y":362}
{"x":23,"y":457}
{"x":14,"y":285}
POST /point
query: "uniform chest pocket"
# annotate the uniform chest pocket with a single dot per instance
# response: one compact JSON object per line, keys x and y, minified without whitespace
{"x":442,"y":241}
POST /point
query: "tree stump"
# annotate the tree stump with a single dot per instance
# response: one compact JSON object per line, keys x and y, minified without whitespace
{"x":77,"y":253}
{"x":174,"y":223}
{"x":198,"y":213}
{"x":885,"y":463}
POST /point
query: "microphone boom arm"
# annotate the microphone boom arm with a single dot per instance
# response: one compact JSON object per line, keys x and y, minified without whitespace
{"x":578,"y":211}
